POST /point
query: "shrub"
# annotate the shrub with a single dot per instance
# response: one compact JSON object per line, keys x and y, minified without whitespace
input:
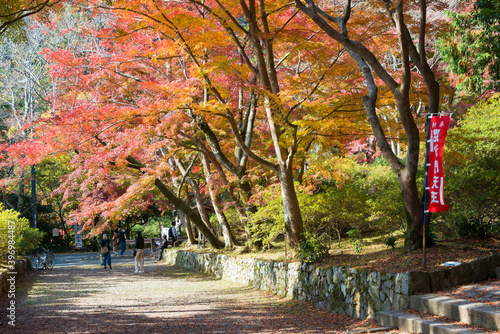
{"x":385,"y":202}
{"x":313,"y":248}
{"x":92,"y":244}
{"x":268,"y":222}
{"x":390,"y":242}
{"x":470,"y":228}
{"x":14,"y":227}
{"x":355,"y":239}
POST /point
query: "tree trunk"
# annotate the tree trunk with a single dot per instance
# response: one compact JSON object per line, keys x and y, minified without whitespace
{"x":236,"y":202}
{"x":226,"y":229}
{"x":180,"y":205}
{"x":414,"y":209}
{"x":291,"y":208}
{"x":20,"y":194}
{"x":187,"y":222}
{"x":197,"y":195}
{"x":293,"y":218}
{"x":190,"y":213}
{"x":63,"y":224}
{"x":199,"y":204}
{"x":189,"y":231}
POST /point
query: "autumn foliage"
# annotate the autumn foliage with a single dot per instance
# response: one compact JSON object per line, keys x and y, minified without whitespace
{"x":209,"y":107}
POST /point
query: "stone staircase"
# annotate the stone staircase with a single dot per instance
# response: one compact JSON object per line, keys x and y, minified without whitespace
{"x":438,"y":314}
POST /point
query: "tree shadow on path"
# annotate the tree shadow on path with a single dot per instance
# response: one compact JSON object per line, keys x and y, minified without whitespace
{"x":164,"y":299}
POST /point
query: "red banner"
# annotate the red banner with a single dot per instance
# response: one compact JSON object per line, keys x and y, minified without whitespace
{"x":435,"y":180}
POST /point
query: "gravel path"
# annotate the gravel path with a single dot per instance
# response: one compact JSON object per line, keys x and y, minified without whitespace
{"x":164,"y":299}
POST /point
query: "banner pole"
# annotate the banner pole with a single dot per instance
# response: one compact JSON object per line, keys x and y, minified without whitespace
{"x":424,"y":234}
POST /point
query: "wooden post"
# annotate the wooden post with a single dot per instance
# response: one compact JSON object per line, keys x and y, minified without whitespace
{"x":424,"y":234}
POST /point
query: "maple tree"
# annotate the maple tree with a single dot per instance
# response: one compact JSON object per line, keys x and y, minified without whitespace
{"x":359,"y":38}
{"x":139,"y":94}
{"x":280,"y":114}
{"x":102,"y":186}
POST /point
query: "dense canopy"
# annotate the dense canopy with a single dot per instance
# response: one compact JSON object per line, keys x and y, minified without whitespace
{"x":249,"y":119}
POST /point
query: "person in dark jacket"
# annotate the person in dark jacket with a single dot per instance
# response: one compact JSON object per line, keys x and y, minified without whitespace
{"x":139,"y":256}
{"x":106,"y":258}
{"x":172,"y":234}
{"x":163,"y":245}
{"x":123,"y":243}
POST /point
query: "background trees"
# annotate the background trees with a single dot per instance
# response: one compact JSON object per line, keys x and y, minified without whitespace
{"x":13,"y":13}
{"x":470,"y":48}
{"x":473,"y":159}
{"x":24,"y":88}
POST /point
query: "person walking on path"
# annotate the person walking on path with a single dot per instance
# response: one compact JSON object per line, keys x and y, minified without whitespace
{"x":172,"y":234}
{"x":106,"y":251}
{"x":163,"y":245}
{"x":139,"y":256}
{"x":123,"y":243}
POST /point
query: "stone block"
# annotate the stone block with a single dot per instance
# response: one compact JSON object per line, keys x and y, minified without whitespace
{"x":337,"y":277}
{"x":418,"y":282}
{"x":388,"y":285}
{"x":493,"y":263}
{"x":495,"y":259}
{"x":404,"y":302}
{"x":480,"y":269}
{"x":461,"y":274}
{"x":373,"y":277}
{"x":401,"y":282}
{"x":440,"y":280}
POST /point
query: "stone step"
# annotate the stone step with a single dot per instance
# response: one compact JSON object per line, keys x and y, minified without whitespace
{"x":477,"y":314}
{"x":413,"y":323}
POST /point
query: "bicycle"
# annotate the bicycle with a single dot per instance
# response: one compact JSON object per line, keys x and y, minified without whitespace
{"x":42,"y":259}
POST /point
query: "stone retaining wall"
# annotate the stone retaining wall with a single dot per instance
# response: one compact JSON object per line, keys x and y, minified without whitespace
{"x":22,"y":266}
{"x":356,"y":293}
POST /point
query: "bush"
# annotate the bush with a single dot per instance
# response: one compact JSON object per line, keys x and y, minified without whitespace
{"x":151,"y":228}
{"x":14,"y":227}
{"x":92,"y":244}
{"x":470,"y":228}
{"x":385,"y":203}
{"x":355,"y":239}
{"x":312,"y":248}
{"x":268,"y":222}
{"x":390,"y":242}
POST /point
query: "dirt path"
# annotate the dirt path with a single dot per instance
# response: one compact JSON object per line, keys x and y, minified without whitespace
{"x":164,"y":299}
